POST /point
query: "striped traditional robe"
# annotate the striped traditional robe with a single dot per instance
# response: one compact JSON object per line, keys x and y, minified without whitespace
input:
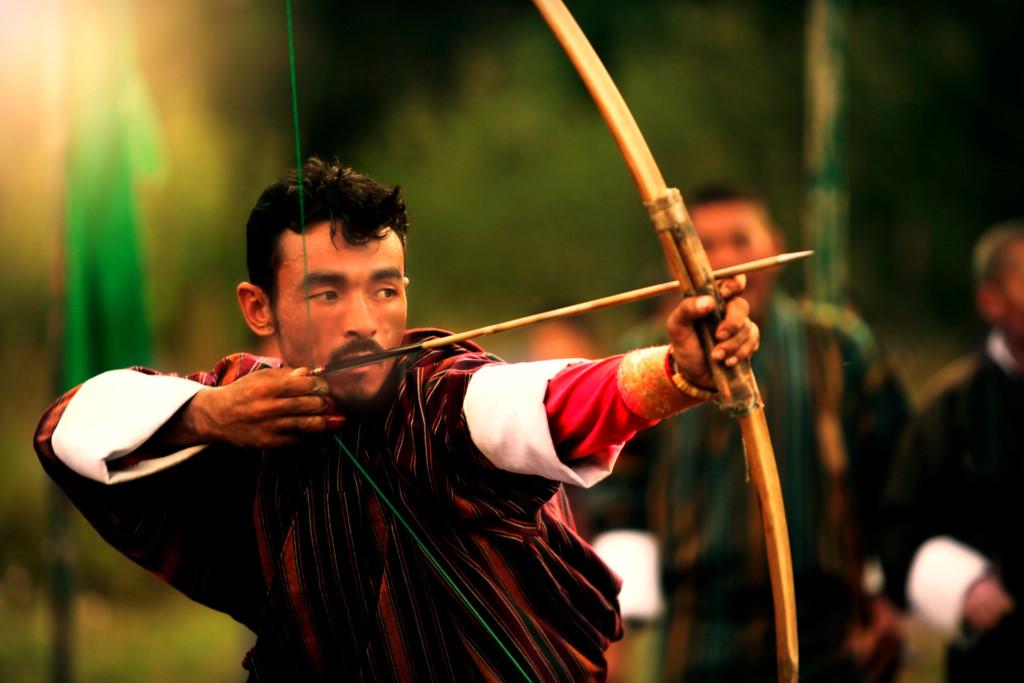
{"x":297,"y":546}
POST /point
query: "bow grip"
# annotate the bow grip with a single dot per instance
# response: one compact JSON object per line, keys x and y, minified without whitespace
{"x":737,"y":388}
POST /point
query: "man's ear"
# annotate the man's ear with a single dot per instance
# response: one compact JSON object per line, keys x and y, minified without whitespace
{"x":778,"y":241}
{"x":256,"y":309}
{"x":990,"y":302}
{"x":406,"y":281}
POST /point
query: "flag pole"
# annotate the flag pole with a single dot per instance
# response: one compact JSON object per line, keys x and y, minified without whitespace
{"x":826,"y":207}
{"x":59,"y":548}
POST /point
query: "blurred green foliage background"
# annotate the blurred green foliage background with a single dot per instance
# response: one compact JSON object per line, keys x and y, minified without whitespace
{"x":518,"y":197}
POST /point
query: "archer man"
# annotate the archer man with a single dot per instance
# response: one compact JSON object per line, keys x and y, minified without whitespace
{"x":400,"y":521}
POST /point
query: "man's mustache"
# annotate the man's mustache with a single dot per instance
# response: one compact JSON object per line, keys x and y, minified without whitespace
{"x":360,"y":345}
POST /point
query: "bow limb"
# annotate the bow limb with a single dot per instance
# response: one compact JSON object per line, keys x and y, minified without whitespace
{"x":689,"y":264}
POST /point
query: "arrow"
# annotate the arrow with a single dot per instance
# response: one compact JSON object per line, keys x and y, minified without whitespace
{"x":555,"y":314}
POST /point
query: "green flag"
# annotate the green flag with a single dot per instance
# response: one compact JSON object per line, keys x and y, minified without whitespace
{"x":111,"y":143}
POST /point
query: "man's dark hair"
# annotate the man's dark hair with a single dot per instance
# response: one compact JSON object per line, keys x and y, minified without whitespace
{"x":363,"y":209}
{"x":992,"y":256}
{"x":714,"y":193}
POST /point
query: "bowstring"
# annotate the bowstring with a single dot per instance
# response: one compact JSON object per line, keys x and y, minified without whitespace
{"x":298,"y":177}
{"x":452,"y":583}
{"x":309,"y":329}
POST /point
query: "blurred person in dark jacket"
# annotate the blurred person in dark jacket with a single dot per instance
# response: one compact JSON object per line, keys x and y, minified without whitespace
{"x":835,"y":410}
{"x":953,"y":504}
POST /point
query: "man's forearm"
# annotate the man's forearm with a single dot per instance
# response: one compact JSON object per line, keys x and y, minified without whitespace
{"x":192,"y":425}
{"x":598,"y":404}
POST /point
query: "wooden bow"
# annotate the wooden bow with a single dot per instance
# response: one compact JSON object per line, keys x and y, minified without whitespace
{"x":689,"y":265}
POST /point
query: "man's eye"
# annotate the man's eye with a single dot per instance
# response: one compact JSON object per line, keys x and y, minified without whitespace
{"x":327,"y":295}
{"x":387,"y":293}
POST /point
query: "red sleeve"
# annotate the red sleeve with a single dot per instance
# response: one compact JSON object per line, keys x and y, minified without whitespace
{"x":585,"y":411}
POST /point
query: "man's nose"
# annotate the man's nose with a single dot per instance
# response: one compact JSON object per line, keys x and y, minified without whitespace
{"x":359,"y":321}
{"x":723,"y":257}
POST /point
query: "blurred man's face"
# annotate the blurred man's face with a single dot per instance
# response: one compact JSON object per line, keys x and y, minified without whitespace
{"x":357,"y":305}
{"x":735,"y":232}
{"x":1001,"y":303}
{"x":561,"y":339}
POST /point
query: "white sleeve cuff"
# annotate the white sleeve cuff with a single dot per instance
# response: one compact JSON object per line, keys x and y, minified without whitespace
{"x":941,"y":573}
{"x":504,"y":408}
{"x":113,"y":414}
{"x":633,"y":555}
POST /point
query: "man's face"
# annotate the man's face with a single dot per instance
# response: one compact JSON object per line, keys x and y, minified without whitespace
{"x":734,"y":232}
{"x":356,"y":302}
{"x":1002,"y":302}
